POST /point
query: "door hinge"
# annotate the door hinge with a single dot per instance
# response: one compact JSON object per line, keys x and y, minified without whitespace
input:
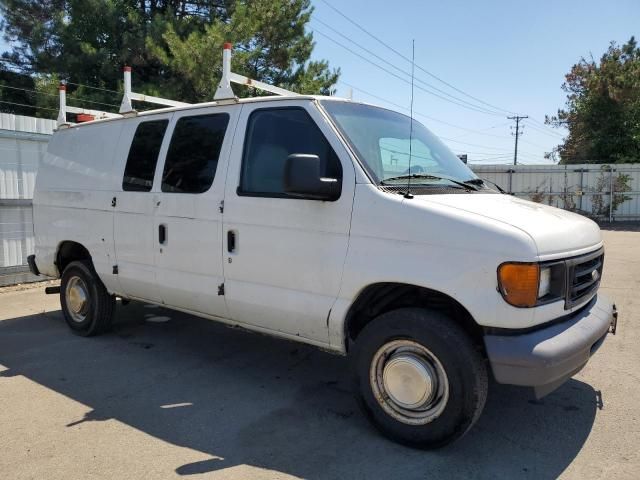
{"x":115,"y":269}
{"x":221,"y":289}
{"x":221,"y":207}
{"x":113,"y":202}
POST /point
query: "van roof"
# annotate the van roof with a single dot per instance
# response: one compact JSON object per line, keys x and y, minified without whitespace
{"x":215,"y":103}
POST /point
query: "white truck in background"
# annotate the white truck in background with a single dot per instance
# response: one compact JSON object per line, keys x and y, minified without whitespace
{"x":324,"y":221}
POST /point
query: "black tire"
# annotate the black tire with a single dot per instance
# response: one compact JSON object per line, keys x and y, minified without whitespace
{"x":96,"y":313}
{"x":465,"y":381}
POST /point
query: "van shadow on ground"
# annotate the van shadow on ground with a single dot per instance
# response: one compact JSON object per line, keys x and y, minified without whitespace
{"x":250,"y":399}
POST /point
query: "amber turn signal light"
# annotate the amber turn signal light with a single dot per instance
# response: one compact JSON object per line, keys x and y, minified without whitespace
{"x":518,"y":283}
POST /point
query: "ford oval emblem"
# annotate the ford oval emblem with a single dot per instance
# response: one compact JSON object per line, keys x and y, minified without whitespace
{"x":595,"y":275}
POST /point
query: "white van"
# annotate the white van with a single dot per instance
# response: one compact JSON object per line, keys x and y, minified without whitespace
{"x":308,"y":218}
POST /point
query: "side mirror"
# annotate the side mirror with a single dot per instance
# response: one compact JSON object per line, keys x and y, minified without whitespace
{"x":302,"y":178}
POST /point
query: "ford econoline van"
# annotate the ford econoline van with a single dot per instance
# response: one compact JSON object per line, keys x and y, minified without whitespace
{"x":326,"y":221}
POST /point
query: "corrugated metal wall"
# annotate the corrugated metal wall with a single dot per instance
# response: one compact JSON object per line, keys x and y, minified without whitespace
{"x":602,"y":191}
{"x":23,"y":142}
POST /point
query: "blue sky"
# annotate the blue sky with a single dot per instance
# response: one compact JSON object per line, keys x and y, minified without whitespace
{"x":512,"y":55}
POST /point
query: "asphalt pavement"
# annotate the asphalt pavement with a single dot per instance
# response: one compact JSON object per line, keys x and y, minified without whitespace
{"x":168,"y":395}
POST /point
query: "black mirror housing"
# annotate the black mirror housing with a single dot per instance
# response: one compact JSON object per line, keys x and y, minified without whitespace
{"x":303,"y":179}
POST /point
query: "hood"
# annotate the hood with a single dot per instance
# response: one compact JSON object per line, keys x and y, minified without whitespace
{"x":553,"y":230}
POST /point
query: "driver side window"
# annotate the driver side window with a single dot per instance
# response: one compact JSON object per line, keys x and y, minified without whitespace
{"x":272,"y":135}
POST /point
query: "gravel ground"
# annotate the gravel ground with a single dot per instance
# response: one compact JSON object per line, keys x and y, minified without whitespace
{"x":168,"y":395}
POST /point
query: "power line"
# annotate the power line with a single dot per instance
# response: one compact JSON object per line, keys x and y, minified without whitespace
{"x":357,"y":25}
{"x":79,"y":99}
{"x":315,"y":30}
{"x":29,"y":90}
{"x":94,"y":88}
{"x":545,"y":131}
{"x":533,"y":144}
{"x":29,"y":106}
{"x":434,"y":119}
{"x":473,"y":144}
{"x":483,"y":130}
{"x":375,"y":55}
{"x":385,"y":100}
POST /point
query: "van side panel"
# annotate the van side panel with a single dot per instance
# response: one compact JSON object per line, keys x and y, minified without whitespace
{"x":73,"y":195}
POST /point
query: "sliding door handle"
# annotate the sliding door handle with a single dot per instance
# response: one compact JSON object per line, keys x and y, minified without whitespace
{"x":162,"y":233}
{"x":231,"y":241}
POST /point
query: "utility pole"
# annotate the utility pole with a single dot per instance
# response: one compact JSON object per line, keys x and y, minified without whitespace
{"x":517,"y":133}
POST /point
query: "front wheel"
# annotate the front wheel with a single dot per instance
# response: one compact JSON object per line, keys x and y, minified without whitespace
{"x":86,"y":304}
{"x":418,"y":377}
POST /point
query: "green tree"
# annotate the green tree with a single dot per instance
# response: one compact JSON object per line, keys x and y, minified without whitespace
{"x":602,"y":112}
{"x":174,"y":47}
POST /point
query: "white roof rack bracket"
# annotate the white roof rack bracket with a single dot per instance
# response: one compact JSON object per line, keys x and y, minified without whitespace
{"x":225,"y":91}
{"x":126,"y":106}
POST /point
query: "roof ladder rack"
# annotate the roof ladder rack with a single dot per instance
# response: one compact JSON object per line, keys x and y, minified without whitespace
{"x":127,"y":106}
{"x":225,"y":92}
{"x":64,"y":108}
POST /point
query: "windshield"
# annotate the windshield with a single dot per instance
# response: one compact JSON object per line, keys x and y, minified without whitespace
{"x":380,"y":139}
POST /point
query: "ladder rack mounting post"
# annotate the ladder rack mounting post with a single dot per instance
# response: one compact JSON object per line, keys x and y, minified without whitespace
{"x":126,"y":106}
{"x":225,"y":92}
{"x":62,"y":112}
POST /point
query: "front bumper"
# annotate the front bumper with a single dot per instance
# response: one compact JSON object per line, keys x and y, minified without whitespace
{"x":546,"y":358}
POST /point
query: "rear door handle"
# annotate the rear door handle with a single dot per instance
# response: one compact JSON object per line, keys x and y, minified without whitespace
{"x":231,"y":241}
{"x":162,"y":233}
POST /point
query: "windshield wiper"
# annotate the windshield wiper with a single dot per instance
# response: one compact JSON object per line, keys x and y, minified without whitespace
{"x":482,"y":181}
{"x":464,"y":185}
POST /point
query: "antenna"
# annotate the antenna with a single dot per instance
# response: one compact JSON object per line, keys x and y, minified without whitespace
{"x":413,"y":62}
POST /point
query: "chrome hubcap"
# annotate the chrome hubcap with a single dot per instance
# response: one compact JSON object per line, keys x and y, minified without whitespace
{"x":77,"y":298}
{"x":409,"y":382}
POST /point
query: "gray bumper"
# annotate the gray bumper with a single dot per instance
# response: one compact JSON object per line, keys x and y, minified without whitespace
{"x":546,"y":358}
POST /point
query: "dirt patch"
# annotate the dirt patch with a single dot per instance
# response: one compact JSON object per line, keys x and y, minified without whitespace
{"x":29,"y":286}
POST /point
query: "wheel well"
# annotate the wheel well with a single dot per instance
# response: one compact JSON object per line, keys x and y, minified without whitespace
{"x":379,"y":298}
{"x":68,"y":252}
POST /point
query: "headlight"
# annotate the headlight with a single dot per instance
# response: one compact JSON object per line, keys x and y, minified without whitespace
{"x":545,"y":282}
{"x":531,"y":284}
{"x":518,"y":283}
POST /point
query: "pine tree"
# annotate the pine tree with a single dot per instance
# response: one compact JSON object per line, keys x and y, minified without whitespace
{"x":174,"y":47}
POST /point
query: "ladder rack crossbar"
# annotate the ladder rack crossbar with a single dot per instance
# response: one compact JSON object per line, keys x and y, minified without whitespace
{"x":242,"y":80}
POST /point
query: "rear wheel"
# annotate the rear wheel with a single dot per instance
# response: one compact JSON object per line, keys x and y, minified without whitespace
{"x":418,"y":377}
{"x":86,"y":304}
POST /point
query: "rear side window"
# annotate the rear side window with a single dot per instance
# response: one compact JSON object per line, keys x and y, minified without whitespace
{"x":193,"y":154}
{"x":273,"y":135}
{"x":143,"y":156}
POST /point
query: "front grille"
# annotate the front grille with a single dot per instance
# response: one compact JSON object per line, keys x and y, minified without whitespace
{"x":583,"y":277}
